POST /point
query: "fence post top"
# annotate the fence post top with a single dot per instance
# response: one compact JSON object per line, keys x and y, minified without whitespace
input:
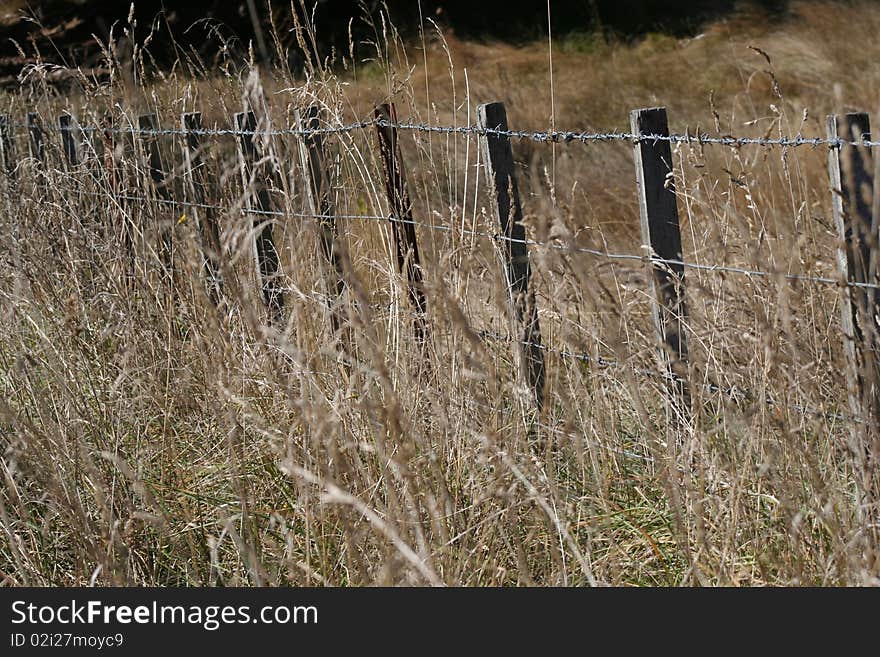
{"x":856,"y":124}
{"x":492,"y":116}
{"x":246,"y":120}
{"x":648,"y":110}
{"x":148,"y":121}
{"x":386,"y":111}
{"x":487,"y":108}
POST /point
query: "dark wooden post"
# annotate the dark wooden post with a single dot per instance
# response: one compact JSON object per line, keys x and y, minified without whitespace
{"x":149,"y":126}
{"x":7,"y":160}
{"x":318,"y":194}
{"x":498,"y":157}
{"x":12,"y":197}
{"x":108,"y":139}
{"x":660,"y":230}
{"x":403,"y":226}
{"x":205,"y":216}
{"x":260,"y":203}
{"x":123,"y":230}
{"x":68,"y":141}
{"x":7,"y":149}
{"x":36,"y":147}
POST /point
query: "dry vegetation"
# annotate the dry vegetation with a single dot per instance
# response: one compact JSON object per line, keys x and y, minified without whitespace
{"x":148,"y":438}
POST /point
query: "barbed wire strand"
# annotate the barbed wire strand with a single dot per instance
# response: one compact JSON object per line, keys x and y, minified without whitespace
{"x":709,"y":268}
{"x":550,"y":136}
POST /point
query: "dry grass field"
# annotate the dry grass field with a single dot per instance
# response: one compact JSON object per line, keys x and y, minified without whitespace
{"x":149,"y":438}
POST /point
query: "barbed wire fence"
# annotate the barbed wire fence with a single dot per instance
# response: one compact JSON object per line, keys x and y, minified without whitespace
{"x":549,"y":136}
{"x":667,"y":267}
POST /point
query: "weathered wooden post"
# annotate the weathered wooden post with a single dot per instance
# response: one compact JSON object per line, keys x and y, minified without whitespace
{"x":122,"y":228}
{"x":12,"y":197}
{"x":148,"y":125}
{"x":498,"y":158}
{"x":318,"y":194}
{"x":108,"y":139}
{"x":204,"y":215}
{"x":68,"y":141}
{"x":260,"y":204}
{"x":661,"y":232}
{"x":403,"y":226}
{"x":7,"y":149}
{"x":7,"y":160}
{"x":36,"y":148}
{"x":851,"y":171}
{"x":37,"y":151}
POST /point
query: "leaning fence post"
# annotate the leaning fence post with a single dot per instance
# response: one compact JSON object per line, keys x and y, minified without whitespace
{"x":852,"y":184}
{"x":318,"y":195}
{"x":498,"y":156}
{"x":204,"y":215}
{"x":408,"y":261}
{"x":148,"y":125}
{"x":661,"y":232}
{"x":260,"y":206}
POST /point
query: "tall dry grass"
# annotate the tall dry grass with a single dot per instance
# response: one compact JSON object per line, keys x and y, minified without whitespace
{"x":151,"y":438}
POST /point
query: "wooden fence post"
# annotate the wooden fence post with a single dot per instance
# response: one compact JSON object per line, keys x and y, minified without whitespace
{"x":113,"y":169}
{"x":851,"y":171}
{"x":260,"y":205}
{"x":318,"y":194}
{"x":204,"y":215}
{"x":148,"y":125}
{"x":498,"y":158}
{"x":36,"y":148}
{"x":660,"y":230}
{"x":408,"y":261}
{"x":68,"y":141}
{"x":108,"y":139}
{"x":7,"y":160}
{"x":7,"y":148}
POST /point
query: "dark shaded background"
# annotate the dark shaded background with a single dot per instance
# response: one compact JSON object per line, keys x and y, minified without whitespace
{"x":70,"y":24}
